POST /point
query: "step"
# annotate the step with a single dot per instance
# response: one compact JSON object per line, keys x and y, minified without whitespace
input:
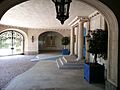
{"x":60,"y":66}
{"x":62,"y":61}
{"x":70,"y":59}
{"x":76,"y":63}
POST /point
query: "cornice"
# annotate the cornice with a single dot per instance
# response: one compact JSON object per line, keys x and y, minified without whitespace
{"x":78,"y":19}
{"x":93,"y":14}
{"x":26,"y":28}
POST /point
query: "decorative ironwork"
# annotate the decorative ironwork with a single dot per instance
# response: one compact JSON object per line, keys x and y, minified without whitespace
{"x":62,"y":9}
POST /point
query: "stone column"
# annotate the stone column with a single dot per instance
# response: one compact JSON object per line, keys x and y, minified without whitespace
{"x":80,"y":41}
{"x":76,"y":40}
{"x":72,"y":42}
{"x":87,"y":43}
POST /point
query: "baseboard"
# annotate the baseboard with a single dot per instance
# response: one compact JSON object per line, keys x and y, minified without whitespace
{"x":110,"y":86}
{"x":31,"y":53}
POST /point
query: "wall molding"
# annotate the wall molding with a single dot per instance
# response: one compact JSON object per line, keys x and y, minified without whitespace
{"x":27,"y":28}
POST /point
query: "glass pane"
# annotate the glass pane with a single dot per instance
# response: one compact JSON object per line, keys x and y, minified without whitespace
{"x":5,"y":43}
{"x":17,"y":43}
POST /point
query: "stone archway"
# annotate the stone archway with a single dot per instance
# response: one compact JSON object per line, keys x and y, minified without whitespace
{"x":112,"y":73}
{"x":49,"y":41}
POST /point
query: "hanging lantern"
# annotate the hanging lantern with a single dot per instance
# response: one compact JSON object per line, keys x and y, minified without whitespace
{"x":62,"y":9}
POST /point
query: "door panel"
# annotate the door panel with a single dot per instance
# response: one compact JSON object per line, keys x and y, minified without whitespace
{"x":5,"y":43}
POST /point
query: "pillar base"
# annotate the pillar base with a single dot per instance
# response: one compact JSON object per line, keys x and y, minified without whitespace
{"x":110,"y":86}
{"x":71,"y":54}
{"x":31,"y":53}
{"x":78,"y":59}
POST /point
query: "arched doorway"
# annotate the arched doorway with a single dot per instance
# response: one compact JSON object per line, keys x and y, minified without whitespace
{"x":49,"y":41}
{"x":11,"y":42}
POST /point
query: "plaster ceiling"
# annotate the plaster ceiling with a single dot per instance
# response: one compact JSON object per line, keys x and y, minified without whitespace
{"x":42,"y":14}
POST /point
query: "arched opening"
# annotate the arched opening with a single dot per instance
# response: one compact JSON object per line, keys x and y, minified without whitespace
{"x":112,"y":66}
{"x":11,"y":42}
{"x":49,"y":41}
{"x":112,"y":73}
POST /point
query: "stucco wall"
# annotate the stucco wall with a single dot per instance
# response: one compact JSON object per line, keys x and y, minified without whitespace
{"x":32,"y":47}
{"x":97,"y":21}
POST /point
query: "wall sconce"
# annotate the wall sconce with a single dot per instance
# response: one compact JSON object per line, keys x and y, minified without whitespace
{"x":33,"y":38}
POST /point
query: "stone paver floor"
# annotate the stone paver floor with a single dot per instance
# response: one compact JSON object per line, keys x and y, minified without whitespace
{"x":45,"y":75}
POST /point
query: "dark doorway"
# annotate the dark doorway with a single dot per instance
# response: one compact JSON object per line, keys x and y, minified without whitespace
{"x":50,"y":42}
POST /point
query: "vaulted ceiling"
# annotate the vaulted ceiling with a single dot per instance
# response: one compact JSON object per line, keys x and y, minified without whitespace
{"x":42,"y":14}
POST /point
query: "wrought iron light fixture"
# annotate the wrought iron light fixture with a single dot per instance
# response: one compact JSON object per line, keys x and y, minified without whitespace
{"x":62,"y":9}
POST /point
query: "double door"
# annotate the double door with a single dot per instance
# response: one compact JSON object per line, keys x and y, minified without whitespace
{"x":11,"y":42}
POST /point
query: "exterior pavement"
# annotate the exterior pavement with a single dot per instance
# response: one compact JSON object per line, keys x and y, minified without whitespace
{"x":45,"y":75}
{"x":12,"y":66}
